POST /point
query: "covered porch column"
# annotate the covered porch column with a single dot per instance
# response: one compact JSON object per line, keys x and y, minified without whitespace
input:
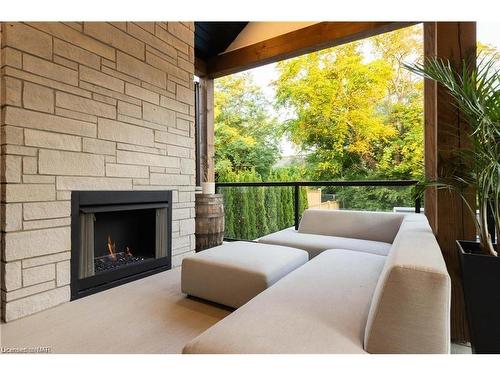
{"x":205,"y":124}
{"x":444,"y":132}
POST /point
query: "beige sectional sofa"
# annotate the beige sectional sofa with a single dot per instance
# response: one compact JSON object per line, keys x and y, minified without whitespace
{"x":354,"y":296}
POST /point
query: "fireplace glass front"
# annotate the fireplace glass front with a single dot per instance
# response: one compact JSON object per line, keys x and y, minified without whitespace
{"x":117,"y":242}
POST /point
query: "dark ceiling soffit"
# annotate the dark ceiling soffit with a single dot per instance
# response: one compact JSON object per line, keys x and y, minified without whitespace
{"x":213,"y":38}
{"x":295,"y":43}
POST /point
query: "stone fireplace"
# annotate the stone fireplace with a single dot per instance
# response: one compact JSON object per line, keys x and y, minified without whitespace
{"x":92,"y":107}
{"x":117,"y":237}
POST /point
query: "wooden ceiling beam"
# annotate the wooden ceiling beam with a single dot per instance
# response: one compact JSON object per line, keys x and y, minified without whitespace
{"x":308,"y":39}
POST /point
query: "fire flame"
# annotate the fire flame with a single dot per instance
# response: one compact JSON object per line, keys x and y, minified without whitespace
{"x":112,"y":250}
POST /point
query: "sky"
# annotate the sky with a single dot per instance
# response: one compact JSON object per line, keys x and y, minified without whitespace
{"x":487,"y":33}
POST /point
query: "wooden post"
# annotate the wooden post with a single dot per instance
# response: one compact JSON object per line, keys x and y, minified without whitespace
{"x":207,"y":146}
{"x":444,"y":133}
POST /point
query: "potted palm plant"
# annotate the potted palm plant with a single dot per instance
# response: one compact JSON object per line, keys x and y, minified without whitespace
{"x":475,"y":91}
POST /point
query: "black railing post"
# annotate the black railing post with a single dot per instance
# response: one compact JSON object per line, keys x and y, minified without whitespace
{"x":296,"y":190}
{"x":417,"y":205}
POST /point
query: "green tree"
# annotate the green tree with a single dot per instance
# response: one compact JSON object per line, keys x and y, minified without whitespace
{"x":332,"y":95}
{"x":245,"y":131}
{"x":358,"y":117}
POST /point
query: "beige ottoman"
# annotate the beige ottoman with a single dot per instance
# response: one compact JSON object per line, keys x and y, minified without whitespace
{"x":235,"y":272}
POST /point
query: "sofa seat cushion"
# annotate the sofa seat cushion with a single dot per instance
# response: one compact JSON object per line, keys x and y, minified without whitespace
{"x":235,"y":272}
{"x":316,"y":243}
{"x":321,"y":307}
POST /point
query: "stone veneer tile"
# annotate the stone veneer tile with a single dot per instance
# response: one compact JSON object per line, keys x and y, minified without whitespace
{"x":166,"y":66}
{"x":112,"y":94}
{"x":101,"y":79}
{"x":24,"y":75}
{"x":88,"y":106}
{"x":63,"y":272}
{"x":12,"y":135}
{"x":29,"y":192}
{"x":28,"y":39}
{"x":43,"y":121}
{"x":27,"y":244}
{"x":30,"y":290}
{"x":120,"y":132}
{"x":141,"y":70}
{"x":12,"y":219}
{"x":173,"y":139}
{"x":12,"y":276}
{"x":13,"y":167}
{"x":67,"y":63}
{"x":38,"y":97}
{"x":40,"y":274}
{"x":174,"y":105}
{"x":46,"y":259}
{"x":38,"y":179}
{"x":157,"y":114}
{"x":19,"y":150}
{"x":93,"y":183}
{"x":169,"y":179}
{"x":12,"y":92}
{"x":63,"y":112}
{"x":63,"y":163}
{"x":128,"y":157}
{"x":46,"y":210}
{"x":117,"y":38}
{"x":58,"y":141}
{"x":12,"y":57}
{"x":77,"y":38}
{"x":122,"y":170}
{"x":188,"y":166}
{"x":150,"y":39}
{"x":170,"y":39}
{"x":98,"y":146}
{"x":75,"y":53}
{"x":35,"y":303}
{"x":129,"y":109}
{"x":186,"y":226}
{"x":50,"y":70}
{"x":147,"y":150}
{"x":185,"y":95}
{"x":141,"y":93}
{"x":180,"y":31}
{"x":48,"y":223}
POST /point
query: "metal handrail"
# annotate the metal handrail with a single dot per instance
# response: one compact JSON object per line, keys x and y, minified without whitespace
{"x":297,"y":184}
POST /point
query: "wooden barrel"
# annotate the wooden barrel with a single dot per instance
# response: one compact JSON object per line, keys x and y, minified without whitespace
{"x":209,"y":220}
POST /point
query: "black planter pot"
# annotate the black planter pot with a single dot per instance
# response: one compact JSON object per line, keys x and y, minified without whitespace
{"x":481,"y":278}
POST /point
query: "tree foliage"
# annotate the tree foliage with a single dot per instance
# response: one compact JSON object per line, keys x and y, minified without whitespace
{"x":252,"y":212}
{"x":332,"y":95}
{"x":245,"y":130}
{"x":356,"y":118}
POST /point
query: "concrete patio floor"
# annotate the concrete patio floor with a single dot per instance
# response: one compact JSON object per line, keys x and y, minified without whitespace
{"x":150,"y":315}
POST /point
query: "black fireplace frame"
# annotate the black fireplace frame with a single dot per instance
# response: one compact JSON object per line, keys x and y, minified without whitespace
{"x":116,"y":200}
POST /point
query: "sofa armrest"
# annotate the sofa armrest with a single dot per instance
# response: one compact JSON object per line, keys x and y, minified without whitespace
{"x":410,"y":309}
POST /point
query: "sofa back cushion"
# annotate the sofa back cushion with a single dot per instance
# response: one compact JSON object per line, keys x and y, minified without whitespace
{"x":410,"y":308}
{"x":363,"y":225}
